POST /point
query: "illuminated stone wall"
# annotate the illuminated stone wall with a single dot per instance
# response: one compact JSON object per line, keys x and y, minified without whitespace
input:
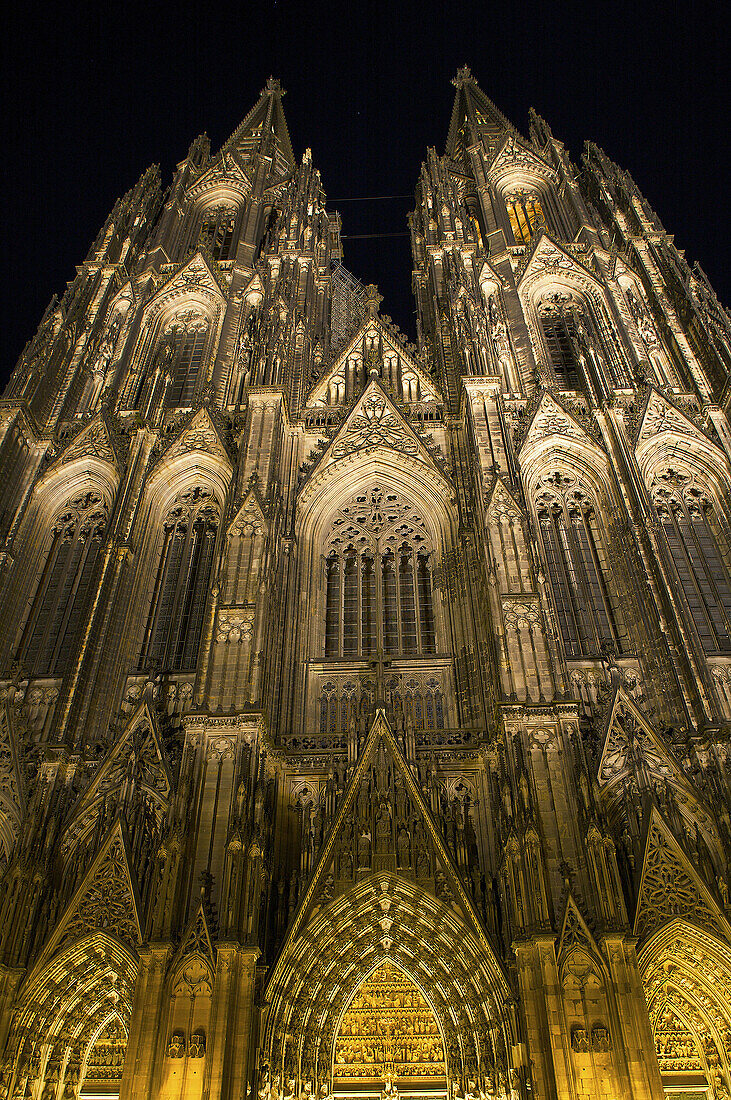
{"x":364,"y":705}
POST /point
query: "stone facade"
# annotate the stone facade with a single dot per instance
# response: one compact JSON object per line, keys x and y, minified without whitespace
{"x":365,"y":706}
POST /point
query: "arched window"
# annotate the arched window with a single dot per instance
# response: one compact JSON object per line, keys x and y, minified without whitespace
{"x":175,"y":622}
{"x":559,"y":324}
{"x":588,"y":617}
{"x":218,"y":230}
{"x":64,"y":587}
{"x":525,"y":212}
{"x":182,"y":351}
{"x":694,"y":537}
{"x":378,"y":579}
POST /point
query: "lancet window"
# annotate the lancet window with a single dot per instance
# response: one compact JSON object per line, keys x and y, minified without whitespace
{"x":560,"y":328}
{"x":378,"y":579}
{"x":576,"y":563}
{"x":175,"y":623}
{"x":218,"y":230}
{"x":525,"y":212}
{"x":64,"y":586}
{"x":182,"y":355}
{"x":695,"y":539}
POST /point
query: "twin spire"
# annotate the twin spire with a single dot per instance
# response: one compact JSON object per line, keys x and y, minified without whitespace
{"x":264,"y":130}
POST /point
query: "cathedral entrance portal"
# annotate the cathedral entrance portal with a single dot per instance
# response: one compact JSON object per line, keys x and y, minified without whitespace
{"x":389,"y":1041}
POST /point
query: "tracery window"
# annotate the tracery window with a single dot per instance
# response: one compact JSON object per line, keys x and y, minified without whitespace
{"x":64,"y":587}
{"x":174,"y":625}
{"x":693,"y":530}
{"x":560,"y":327}
{"x":378,"y":579}
{"x":181,"y":355}
{"x":218,"y":230}
{"x":576,"y":563}
{"x":525,"y":212}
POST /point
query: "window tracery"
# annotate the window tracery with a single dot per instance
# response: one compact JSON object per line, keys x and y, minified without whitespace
{"x":577,"y":567}
{"x":218,"y":228}
{"x":175,"y":622}
{"x":181,"y":353}
{"x":64,"y":587}
{"x":695,"y":539}
{"x":378,"y":579}
{"x":559,"y":319}
{"x":525,"y":211}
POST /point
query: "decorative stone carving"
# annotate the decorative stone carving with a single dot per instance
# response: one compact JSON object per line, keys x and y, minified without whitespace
{"x":375,"y":425}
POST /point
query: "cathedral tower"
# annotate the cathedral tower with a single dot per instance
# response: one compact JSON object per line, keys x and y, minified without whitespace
{"x":366,"y":706}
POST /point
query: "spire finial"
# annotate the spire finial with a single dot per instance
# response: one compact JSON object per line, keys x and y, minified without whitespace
{"x":372,"y":299}
{"x":274,"y":86}
{"x":464,"y":76}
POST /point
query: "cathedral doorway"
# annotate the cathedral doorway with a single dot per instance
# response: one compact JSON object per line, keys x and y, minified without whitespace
{"x":388,"y":1041}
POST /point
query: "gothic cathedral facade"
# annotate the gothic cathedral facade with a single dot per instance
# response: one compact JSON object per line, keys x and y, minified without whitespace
{"x":366,"y":706}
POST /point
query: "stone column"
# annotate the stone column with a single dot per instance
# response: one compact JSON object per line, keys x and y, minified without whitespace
{"x":147,"y":1040}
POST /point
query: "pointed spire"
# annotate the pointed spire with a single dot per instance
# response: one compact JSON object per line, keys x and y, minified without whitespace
{"x":264,"y":130}
{"x":473,"y":114}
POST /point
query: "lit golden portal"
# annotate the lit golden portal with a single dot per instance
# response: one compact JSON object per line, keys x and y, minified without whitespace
{"x":388,"y":1028}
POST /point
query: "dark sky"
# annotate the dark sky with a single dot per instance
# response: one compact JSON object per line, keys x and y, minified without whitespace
{"x":95,"y":93}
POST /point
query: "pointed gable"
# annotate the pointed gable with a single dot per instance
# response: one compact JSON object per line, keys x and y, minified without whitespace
{"x":399,"y":371}
{"x":515,"y":155}
{"x":225,"y":173}
{"x":198,"y":433}
{"x":374,"y":422}
{"x":136,"y":757}
{"x":106,"y":901}
{"x":197,"y":277}
{"x":627,"y":733}
{"x":670,"y":887}
{"x":575,"y":932}
{"x":382,"y":752}
{"x":501,"y":502}
{"x":250,"y":518}
{"x":546,"y":257}
{"x":93,"y":441}
{"x":628,"y":738}
{"x":660,"y":416}
{"x":196,"y":939}
{"x":551,"y":421}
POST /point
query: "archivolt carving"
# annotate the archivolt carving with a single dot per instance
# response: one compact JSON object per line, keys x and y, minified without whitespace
{"x":386,"y":919}
{"x":687,"y":978}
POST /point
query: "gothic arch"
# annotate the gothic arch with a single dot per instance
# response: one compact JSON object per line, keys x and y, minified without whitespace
{"x":686,"y":972}
{"x":191,"y":299}
{"x":419,"y":486}
{"x":61,"y":1006}
{"x":83,"y":479}
{"x":554,"y":281}
{"x":387,"y":919}
{"x":227,"y":200}
{"x":690,"y":500}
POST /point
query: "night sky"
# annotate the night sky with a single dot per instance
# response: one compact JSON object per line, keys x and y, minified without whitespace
{"x":95,"y":93}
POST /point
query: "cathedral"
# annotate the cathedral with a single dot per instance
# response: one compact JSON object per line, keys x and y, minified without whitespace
{"x":365,"y":706}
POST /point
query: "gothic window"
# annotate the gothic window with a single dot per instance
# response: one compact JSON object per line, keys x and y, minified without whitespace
{"x":526,"y":214}
{"x":378,"y":580}
{"x":693,"y":532}
{"x":64,"y":586}
{"x":218,"y":230}
{"x":175,"y":622}
{"x":577,"y":569}
{"x":181,"y":353}
{"x":559,"y":325}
